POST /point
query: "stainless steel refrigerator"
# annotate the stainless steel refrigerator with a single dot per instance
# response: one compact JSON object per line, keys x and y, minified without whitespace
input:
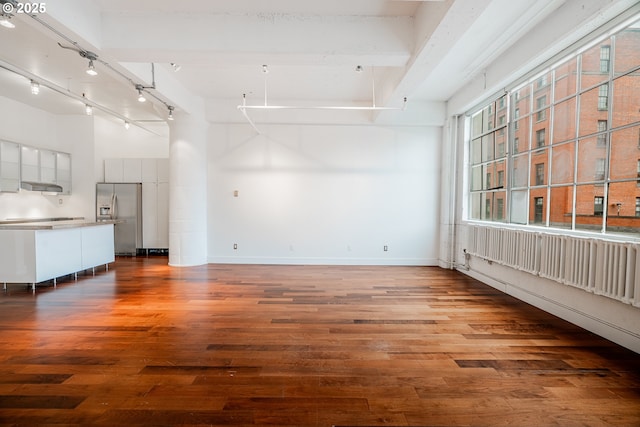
{"x":123,"y":203}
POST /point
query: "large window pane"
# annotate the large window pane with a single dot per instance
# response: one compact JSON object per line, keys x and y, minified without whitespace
{"x":564,"y":121}
{"x":596,"y":64}
{"x":477,"y":177}
{"x":625,"y":154}
{"x":626,"y":99}
{"x":591,"y":160}
{"x":476,"y":151}
{"x":476,"y":202}
{"x":538,"y":206}
{"x":593,"y":109}
{"x":499,"y":204}
{"x":520,"y":131}
{"x":566,"y":82}
{"x":501,"y":143}
{"x":520,"y":102}
{"x":627,"y":52}
{"x":561,"y":207}
{"x":562,"y":165}
{"x":519,"y":205}
{"x":520,"y":171}
{"x":589,"y":205}
{"x":488,"y":147}
{"x":622,"y":214}
{"x":539,"y":161}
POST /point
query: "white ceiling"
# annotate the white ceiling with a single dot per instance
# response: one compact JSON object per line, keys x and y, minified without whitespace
{"x":423,"y":50}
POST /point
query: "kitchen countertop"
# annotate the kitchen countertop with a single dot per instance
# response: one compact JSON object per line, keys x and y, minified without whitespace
{"x":51,"y":223}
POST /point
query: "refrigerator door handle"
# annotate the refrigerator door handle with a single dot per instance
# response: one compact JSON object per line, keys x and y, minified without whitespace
{"x":114,"y":206}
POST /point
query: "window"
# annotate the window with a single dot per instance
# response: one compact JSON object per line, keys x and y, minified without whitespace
{"x":500,"y":209}
{"x":599,"y":175}
{"x":488,"y":183}
{"x":598,"y":205}
{"x":602,"y":137}
{"x":540,"y":104}
{"x":593,"y":143}
{"x":605,"y":58}
{"x":542,"y":81}
{"x":538,"y":206}
{"x":603,"y":97}
{"x":540,"y":174}
{"x":540,"y":137}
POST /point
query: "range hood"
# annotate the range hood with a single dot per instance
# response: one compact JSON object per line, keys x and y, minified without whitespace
{"x":40,"y":186}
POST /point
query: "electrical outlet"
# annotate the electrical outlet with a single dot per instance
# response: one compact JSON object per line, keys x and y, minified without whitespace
{"x":235,"y":246}
{"x":386,"y":248}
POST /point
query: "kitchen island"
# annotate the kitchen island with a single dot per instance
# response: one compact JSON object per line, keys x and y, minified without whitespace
{"x":34,"y":251}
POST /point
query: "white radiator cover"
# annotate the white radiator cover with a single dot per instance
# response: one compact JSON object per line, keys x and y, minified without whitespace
{"x":599,"y":266}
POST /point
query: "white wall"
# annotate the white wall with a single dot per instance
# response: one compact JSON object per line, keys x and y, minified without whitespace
{"x":310,"y":194}
{"x":71,"y":134}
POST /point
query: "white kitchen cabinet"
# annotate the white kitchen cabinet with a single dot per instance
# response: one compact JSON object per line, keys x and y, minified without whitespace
{"x":149,"y":170}
{"x":131,"y":170}
{"x":63,"y":172}
{"x":47,"y":166}
{"x":30,"y":170}
{"x":33,"y":253}
{"x":163,"y":170}
{"x":9,"y":166}
{"x":113,"y":170}
{"x":155,"y":215}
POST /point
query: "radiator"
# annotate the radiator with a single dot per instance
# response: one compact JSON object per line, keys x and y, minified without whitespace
{"x":599,"y":266}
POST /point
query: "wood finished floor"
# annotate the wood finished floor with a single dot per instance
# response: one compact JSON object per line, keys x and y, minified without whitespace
{"x":146,"y":344}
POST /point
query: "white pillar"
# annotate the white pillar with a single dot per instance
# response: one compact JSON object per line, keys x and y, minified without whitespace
{"x":187,"y":190}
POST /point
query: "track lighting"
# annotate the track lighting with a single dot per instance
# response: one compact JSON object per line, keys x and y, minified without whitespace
{"x":5,"y":21}
{"x":176,"y":67}
{"x":171,"y":108}
{"x":88,"y":109}
{"x":35,"y":87}
{"x":127,"y":125}
{"x":91,"y":69}
{"x":141,"y":97}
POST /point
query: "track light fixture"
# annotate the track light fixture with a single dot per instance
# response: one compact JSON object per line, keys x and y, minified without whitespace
{"x":35,"y":87}
{"x":5,"y":20}
{"x":88,"y":109}
{"x":127,"y":125}
{"x":170,"y":108}
{"x":141,"y":97}
{"x":91,"y":69}
{"x":176,"y":67}
{"x":8,"y":7}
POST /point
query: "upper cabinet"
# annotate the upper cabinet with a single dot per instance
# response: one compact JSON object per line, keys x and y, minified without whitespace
{"x":63,"y":171}
{"x":37,"y":165}
{"x":136,"y":170}
{"x":9,"y":166}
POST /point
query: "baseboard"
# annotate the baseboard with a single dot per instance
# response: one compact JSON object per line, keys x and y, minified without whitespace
{"x":324,"y":261}
{"x":593,"y":322}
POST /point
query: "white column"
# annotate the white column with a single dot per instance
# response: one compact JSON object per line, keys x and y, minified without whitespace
{"x":187,"y":190}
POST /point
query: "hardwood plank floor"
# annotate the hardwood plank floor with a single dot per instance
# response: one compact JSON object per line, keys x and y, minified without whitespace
{"x":146,"y":344}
